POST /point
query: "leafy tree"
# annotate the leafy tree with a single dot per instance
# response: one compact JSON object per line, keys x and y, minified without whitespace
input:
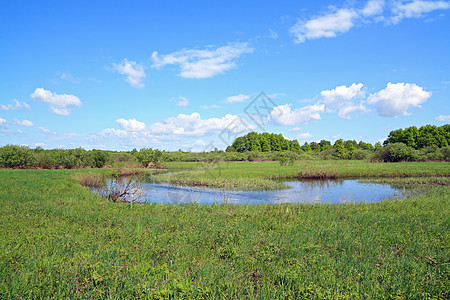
{"x":340,"y":149}
{"x":314,"y":146}
{"x":351,"y":151}
{"x":423,"y":137}
{"x":324,"y":145}
{"x":294,"y":145}
{"x":306,"y":147}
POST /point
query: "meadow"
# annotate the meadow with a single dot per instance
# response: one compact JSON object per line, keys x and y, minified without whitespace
{"x":60,"y":240}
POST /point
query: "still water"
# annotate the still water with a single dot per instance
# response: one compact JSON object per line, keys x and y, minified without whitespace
{"x":335,"y":191}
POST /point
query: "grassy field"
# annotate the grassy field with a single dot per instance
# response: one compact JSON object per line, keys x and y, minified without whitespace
{"x":58,"y":239}
{"x":258,"y":175}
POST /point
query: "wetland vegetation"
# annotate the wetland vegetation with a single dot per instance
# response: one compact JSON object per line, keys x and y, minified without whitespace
{"x":60,"y":240}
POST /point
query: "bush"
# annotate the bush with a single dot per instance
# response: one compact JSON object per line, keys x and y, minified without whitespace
{"x":362,"y":154}
{"x":396,"y":152}
{"x":99,"y":158}
{"x":12,"y":156}
{"x":445,"y":152}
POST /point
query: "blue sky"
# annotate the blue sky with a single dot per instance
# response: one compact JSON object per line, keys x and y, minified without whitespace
{"x":192,"y":75}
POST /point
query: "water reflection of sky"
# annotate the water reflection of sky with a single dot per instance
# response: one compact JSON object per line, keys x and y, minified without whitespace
{"x":340,"y":191}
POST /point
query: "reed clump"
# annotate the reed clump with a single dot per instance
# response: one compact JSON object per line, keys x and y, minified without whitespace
{"x":90,"y":179}
{"x":320,"y":173}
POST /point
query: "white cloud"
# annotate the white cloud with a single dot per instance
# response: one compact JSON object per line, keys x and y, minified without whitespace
{"x":283,"y":115}
{"x":443,"y":118}
{"x":349,"y":108}
{"x":135,"y":72}
{"x":237,"y":98}
{"x":342,"y":93}
{"x":373,"y":8}
{"x":131,"y":125}
{"x":397,"y":98}
{"x":295,"y":129}
{"x":16,"y":106}
{"x":304,"y":136}
{"x":339,"y":21}
{"x":25,"y":123}
{"x":205,"y":63}
{"x":59,"y":104}
{"x":210,"y":106}
{"x":326,"y":26}
{"x":114,"y":132}
{"x":194,"y":125}
{"x":181,"y":101}
{"x":47,"y":131}
{"x":343,"y":98}
{"x":416,"y":9}
{"x":3,"y":123}
{"x":40,"y":144}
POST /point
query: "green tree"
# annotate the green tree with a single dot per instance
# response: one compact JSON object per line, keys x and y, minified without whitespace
{"x":340,"y":149}
{"x":306,"y":147}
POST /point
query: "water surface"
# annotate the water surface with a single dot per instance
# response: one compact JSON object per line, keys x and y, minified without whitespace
{"x":323,"y":191}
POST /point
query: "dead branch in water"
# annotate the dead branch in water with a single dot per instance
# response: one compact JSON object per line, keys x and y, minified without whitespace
{"x":124,"y":189}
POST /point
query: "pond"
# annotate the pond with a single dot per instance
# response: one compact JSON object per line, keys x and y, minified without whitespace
{"x":310,"y":191}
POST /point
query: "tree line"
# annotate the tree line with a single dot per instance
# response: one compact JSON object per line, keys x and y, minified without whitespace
{"x":411,"y":144}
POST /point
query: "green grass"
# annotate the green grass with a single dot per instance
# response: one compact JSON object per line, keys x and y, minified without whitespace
{"x":58,"y":239}
{"x":259,"y":175}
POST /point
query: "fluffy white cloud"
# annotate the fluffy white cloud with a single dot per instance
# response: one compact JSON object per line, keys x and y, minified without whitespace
{"x":47,"y":131}
{"x":373,"y":8}
{"x":237,"y":98}
{"x":397,"y":98}
{"x":3,"y":123}
{"x":325,"y":26}
{"x":343,"y":99}
{"x":443,"y":118}
{"x":416,"y":9}
{"x":59,"y":104}
{"x":342,"y":93}
{"x":194,"y":125}
{"x":114,"y":132}
{"x":283,"y":115}
{"x":339,"y":21}
{"x":16,"y":106}
{"x":304,"y":136}
{"x":204,"y":63}
{"x":181,"y":101}
{"x":133,"y":71}
{"x":25,"y":123}
{"x":40,"y":144}
{"x":131,"y":125}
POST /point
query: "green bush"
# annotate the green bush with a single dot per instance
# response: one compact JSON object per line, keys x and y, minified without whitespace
{"x":362,"y":154}
{"x":396,"y":152}
{"x":99,"y":158}
{"x":445,"y":153}
{"x":12,"y":156}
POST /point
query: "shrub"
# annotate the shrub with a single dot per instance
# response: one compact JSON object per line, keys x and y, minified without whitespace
{"x":445,"y":153}
{"x":396,"y":152}
{"x":99,"y":158}
{"x":12,"y":156}
{"x":362,"y":154}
